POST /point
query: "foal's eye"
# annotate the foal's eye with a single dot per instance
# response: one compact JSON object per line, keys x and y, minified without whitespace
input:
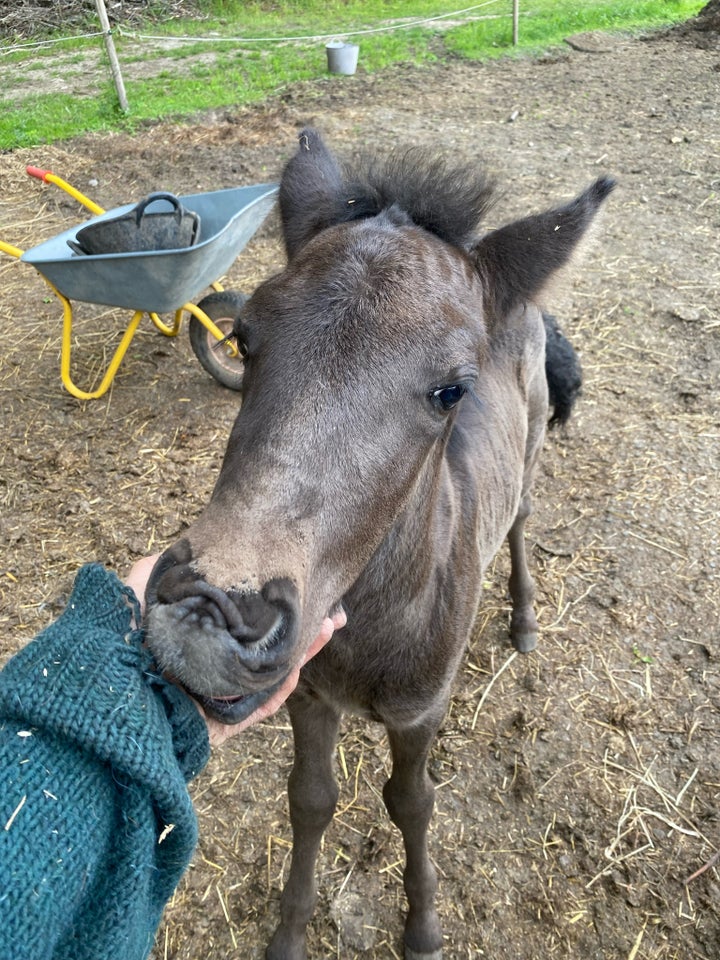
{"x":445,"y":398}
{"x":239,"y":344}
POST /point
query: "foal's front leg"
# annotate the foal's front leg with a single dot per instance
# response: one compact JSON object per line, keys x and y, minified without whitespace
{"x":409,"y":796}
{"x":523,"y":622}
{"x":312,"y":792}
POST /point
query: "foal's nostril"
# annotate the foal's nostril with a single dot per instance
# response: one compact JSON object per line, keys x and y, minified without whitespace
{"x":173,"y":559}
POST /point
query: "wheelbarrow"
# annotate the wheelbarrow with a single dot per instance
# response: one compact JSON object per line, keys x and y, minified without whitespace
{"x":154,"y":281}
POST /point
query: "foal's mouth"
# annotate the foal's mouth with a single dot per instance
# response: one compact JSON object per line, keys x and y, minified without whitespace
{"x":231,"y":710}
{"x":256,"y":673}
{"x":266,"y":664}
{"x":234,"y":709}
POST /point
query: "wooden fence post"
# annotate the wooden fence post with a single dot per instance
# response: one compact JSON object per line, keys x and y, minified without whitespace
{"x":112,"y":55}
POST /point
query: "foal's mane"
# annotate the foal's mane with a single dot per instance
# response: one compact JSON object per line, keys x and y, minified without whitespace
{"x":447,"y":199}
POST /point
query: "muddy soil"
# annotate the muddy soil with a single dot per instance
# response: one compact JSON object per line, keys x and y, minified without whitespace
{"x":578,"y":787}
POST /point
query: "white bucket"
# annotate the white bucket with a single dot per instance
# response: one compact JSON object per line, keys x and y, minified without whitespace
{"x":342,"y":57}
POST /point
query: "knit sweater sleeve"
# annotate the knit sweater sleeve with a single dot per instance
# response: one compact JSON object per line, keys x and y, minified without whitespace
{"x":95,"y":753}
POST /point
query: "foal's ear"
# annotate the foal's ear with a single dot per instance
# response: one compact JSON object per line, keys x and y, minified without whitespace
{"x":518,"y":260}
{"x":310,"y":190}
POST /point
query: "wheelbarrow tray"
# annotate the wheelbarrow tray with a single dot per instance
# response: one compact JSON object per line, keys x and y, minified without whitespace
{"x":158,"y":281}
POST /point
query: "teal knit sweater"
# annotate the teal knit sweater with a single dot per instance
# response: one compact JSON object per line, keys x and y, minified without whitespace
{"x":96,"y":824}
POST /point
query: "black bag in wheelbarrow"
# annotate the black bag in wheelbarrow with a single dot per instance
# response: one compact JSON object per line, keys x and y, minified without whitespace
{"x":139,"y":230}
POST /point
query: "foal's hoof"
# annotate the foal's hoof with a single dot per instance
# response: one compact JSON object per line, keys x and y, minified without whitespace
{"x":524,"y":640}
{"x":414,"y":955}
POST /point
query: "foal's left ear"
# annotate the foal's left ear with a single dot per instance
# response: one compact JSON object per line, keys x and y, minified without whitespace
{"x":310,"y":191}
{"x":517,"y":261}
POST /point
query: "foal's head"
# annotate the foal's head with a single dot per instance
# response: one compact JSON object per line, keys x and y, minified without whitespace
{"x":360,"y":354}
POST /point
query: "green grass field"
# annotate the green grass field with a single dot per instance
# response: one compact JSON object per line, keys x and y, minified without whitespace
{"x":213,"y":68}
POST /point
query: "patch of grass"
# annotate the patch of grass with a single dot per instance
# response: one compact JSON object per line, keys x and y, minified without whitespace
{"x":43,"y":119}
{"x":543,"y":25}
{"x":234,"y":72}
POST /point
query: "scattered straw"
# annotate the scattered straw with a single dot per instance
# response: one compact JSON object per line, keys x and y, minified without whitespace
{"x":15,"y":812}
{"x":489,"y":687}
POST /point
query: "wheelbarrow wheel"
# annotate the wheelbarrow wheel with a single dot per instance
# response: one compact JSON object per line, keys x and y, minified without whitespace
{"x":217,"y":358}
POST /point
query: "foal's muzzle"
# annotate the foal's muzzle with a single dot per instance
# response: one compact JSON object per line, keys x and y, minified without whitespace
{"x":231,"y":649}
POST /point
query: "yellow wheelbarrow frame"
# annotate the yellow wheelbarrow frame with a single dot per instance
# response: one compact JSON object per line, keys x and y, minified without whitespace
{"x":168,"y":330}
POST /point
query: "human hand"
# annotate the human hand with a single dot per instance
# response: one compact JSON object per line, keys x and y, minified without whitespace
{"x":218,"y":732}
{"x":138,"y":577}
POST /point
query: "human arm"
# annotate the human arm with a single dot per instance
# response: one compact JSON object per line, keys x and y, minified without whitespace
{"x":95,"y":752}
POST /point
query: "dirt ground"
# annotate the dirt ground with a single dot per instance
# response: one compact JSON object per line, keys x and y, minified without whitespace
{"x":578,"y":787}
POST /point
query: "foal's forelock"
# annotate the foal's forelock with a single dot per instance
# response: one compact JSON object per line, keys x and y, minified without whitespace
{"x":447,"y":199}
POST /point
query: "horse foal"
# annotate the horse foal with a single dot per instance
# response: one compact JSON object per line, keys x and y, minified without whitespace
{"x":395,"y":399}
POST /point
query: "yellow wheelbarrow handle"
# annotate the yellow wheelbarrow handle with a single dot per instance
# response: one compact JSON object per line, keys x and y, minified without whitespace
{"x":11,"y":250}
{"x":48,"y":177}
